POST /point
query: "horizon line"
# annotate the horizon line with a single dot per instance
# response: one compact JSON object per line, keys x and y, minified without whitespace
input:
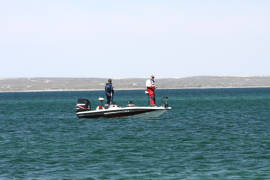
{"x":61,"y":77}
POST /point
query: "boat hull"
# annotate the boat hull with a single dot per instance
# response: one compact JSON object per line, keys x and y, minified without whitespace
{"x":119,"y":112}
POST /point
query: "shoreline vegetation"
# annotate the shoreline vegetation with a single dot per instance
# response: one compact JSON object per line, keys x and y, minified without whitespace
{"x":95,"y":84}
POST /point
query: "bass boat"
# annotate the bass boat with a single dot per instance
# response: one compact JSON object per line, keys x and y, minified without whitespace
{"x":83,"y":109}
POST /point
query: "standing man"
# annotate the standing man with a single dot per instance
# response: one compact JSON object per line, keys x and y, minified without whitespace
{"x":150,"y":85}
{"x":109,"y":92}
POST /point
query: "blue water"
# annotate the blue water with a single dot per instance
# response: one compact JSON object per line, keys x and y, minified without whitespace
{"x":209,"y":134}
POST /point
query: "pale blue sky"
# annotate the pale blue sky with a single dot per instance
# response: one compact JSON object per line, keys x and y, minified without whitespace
{"x":121,"y":39}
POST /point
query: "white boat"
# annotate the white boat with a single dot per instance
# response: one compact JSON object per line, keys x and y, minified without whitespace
{"x":83,"y":109}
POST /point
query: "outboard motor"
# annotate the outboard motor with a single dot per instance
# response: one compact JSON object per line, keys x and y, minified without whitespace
{"x":83,"y":105}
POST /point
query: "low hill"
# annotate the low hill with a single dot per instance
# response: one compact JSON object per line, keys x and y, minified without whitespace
{"x":66,"y":84}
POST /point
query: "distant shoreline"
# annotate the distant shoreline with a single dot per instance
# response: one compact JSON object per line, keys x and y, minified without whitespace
{"x":130,"y":89}
{"x":97,"y":84}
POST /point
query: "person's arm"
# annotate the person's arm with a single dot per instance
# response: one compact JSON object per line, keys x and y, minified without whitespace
{"x":150,"y":85}
{"x":153,"y":84}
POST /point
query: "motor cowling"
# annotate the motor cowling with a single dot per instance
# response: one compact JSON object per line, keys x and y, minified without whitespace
{"x":83,"y":105}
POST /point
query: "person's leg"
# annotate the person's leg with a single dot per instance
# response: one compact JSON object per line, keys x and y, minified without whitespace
{"x":151,"y":97}
{"x":152,"y":100}
{"x":109,"y":100}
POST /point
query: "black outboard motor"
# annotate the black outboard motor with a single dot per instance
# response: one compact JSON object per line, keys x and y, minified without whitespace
{"x":83,"y":105}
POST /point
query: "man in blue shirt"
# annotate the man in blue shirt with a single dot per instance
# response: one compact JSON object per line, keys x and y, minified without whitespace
{"x":109,"y":92}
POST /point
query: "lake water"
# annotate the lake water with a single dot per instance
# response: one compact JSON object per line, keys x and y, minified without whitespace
{"x":209,"y":134}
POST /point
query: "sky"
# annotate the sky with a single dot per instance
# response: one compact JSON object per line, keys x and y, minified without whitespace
{"x":125,"y":39}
